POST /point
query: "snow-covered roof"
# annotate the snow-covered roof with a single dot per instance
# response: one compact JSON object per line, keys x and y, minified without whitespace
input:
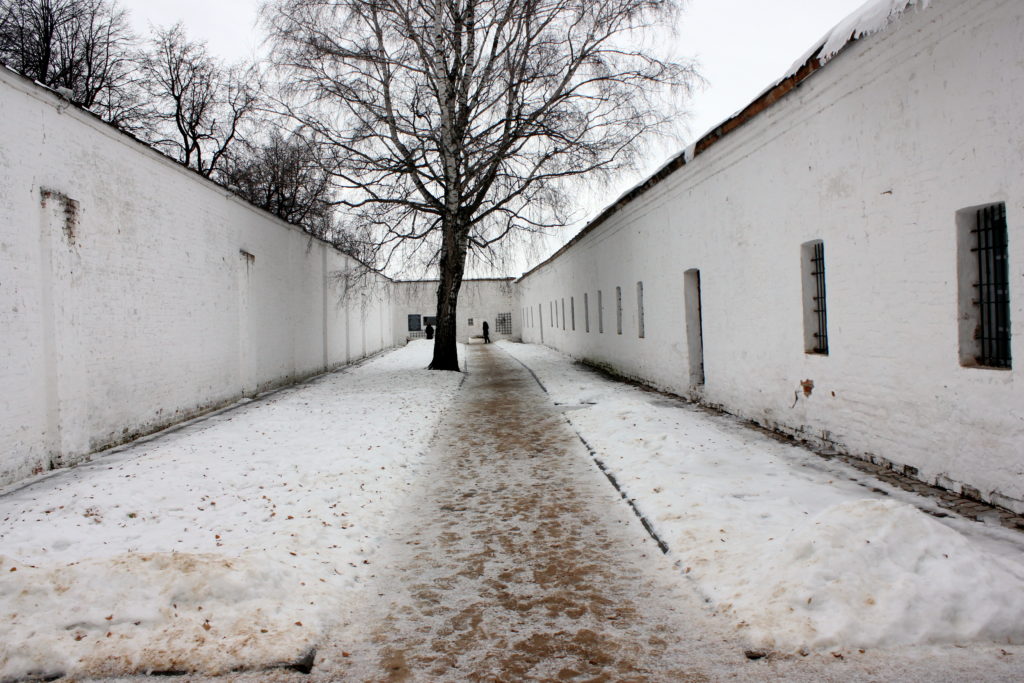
{"x":872,"y":17}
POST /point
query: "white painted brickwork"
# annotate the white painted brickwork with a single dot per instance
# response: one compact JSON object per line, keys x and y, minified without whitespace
{"x":874,"y":155}
{"x":134,"y":294}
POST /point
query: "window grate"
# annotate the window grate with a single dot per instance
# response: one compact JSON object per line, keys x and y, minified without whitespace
{"x":993,"y":286}
{"x":640,"y":309}
{"x":818,"y":273}
{"x":618,"y":310}
{"x":503,"y":323}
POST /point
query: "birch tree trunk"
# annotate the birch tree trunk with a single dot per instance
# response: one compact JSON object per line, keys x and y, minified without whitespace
{"x":452,"y":267}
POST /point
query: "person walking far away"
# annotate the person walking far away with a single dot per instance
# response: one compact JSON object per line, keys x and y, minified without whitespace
{"x":429,"y":331}
{"x":487,"y":333}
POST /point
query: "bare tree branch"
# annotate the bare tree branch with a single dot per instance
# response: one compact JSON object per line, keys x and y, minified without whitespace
{"x":198,"y":105}
{"x":83,"y":46}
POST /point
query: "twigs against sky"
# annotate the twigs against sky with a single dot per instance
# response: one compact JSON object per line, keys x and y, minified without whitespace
{"x":469,"y":112}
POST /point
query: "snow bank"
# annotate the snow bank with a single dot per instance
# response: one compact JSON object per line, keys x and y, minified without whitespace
{"x":802,"y":552}
{"x":232,"y":543}
{"x":162,"y":611}
{"x":866,"y":573}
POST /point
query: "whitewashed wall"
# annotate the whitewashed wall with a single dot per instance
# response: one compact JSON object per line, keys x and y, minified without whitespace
{"x":134,"y":294}
{"x":479,"y":300}
{"x":874,"y":155}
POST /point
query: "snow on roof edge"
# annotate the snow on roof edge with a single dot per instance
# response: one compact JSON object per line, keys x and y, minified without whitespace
{"x":874,"y":16}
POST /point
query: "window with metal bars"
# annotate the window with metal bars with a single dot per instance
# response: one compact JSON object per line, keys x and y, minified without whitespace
{"x":618,"y":310}
{"x":586,"y":312}
{"x":640,"y":309}
{"x":991,"y":287}
{"x":815,"y":315}
{"x":503,"y":323}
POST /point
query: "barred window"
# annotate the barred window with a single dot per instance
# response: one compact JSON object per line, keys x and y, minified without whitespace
{"x":586,"y":311}
{"x":815,"y":317}
{"x":640,"y":309}
{"x":618,"y":310}
{"x":984,"y":275}
{"x":503,"y":323}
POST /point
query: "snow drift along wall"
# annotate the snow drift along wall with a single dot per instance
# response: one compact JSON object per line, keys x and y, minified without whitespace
{"x":703,"y":284}
{"x":134,"y":294}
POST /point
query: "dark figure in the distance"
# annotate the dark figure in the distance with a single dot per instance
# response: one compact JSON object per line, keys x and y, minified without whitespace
{"x":429,"y":331}
{"x":487,"y":333}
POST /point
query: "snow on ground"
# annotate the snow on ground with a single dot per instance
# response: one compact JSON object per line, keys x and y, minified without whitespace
{"x":230,"y":543}
{"x":789,"y":544}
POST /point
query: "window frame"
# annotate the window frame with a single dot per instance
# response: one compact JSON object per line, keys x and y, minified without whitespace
{"x":618,"y":310}
{"x":983,"y":274}
{"x":815,"y":297}
{"x":641,"y":332}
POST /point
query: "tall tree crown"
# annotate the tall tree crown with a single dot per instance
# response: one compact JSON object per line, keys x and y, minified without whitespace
{"x":83,"y":46}
{"x":459,"y":120}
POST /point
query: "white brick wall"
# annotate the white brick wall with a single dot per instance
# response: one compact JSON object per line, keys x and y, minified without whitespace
{"x":153,"y":312}
{"x":874,"y":155}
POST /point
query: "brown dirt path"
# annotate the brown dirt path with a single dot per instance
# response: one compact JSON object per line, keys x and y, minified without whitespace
{"x":521,"y":562}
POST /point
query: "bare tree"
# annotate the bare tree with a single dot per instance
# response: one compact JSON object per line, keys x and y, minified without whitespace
{"x":457,"y":122}
{"x":83,"y":46}
{"x":289,"y":176}
{"x":198,"y":106}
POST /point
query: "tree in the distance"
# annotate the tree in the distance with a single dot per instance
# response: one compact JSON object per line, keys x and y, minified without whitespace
{"x":84,"y":47}
{"x":456,"y":123}
{"x":197,"y":105}
{"x":287,"y":175}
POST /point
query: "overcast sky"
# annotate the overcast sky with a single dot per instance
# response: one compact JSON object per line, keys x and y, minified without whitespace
{"x":742,"y":47}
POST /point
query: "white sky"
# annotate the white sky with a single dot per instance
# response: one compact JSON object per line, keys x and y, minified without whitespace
{"x":742,"y":47}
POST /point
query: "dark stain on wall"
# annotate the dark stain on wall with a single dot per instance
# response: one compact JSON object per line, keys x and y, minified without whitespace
{"x":71,"y":211}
